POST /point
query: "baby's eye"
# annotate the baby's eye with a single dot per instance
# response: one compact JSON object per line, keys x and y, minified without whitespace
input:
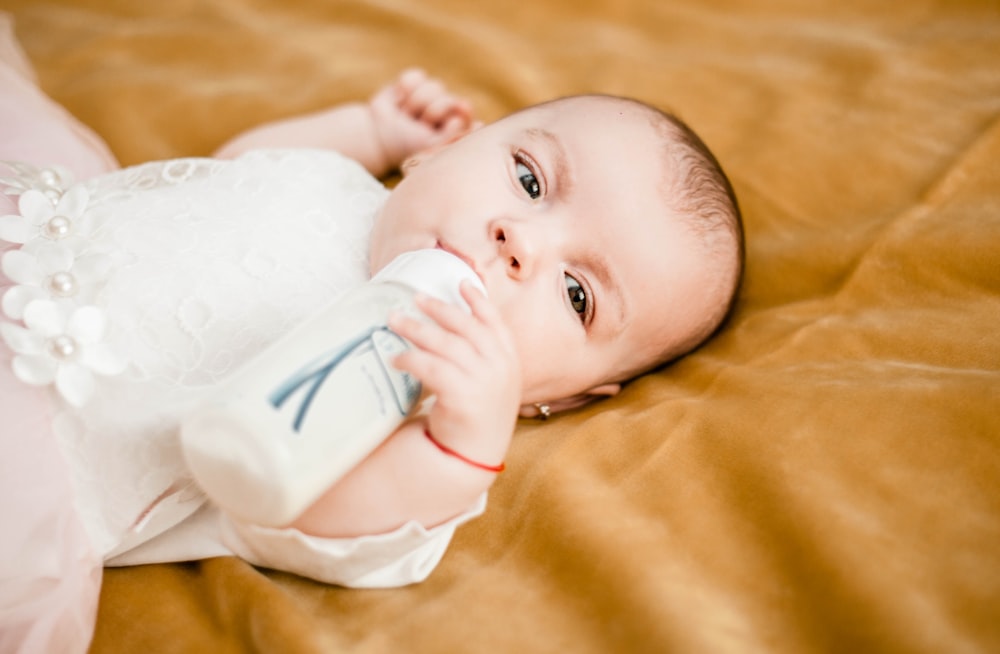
{"x":528,"y":180}
{"x":577,"y":296}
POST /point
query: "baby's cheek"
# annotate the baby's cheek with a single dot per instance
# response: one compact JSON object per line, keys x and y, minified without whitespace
{"x":539,"y":355}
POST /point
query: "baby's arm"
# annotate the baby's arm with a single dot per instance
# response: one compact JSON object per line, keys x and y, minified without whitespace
{"x":413,"y":113}
{"x":470,"y":364}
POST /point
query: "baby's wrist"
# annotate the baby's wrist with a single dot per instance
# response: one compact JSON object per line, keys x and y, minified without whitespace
{"x":455,"y":454}
{"x":380,"y":161}
{"x":385,"y":152}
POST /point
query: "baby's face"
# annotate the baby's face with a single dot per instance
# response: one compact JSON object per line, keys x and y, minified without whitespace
{"x":562,"y":210}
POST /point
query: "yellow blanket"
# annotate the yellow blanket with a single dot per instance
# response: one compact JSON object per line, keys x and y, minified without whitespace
{"x":824,"y":476}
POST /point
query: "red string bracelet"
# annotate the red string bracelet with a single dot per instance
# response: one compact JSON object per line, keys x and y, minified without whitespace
{"x":450,"y":452}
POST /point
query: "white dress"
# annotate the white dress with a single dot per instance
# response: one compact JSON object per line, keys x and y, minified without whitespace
{"x":128,"y":296}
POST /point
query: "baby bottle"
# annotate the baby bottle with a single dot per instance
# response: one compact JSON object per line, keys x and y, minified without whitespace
{"x":297,"y":417}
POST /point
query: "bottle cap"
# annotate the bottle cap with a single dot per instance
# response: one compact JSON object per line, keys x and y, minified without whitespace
{"x":434,"y":272}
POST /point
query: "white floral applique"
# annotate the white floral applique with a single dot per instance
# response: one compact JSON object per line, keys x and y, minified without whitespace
{"x":53,"y":215}
{"x":52,"y":228}
{"x":61,"y":342}
{"x":62,"y":345}
{"x":51,"y":180}
{"x":49,"y":270}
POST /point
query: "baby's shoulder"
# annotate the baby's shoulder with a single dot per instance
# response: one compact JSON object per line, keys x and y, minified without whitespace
{"x":254,"y":171}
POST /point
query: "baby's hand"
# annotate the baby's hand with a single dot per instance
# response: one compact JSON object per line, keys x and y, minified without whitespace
{"x":416,"y":112}
{"x":470,"y":363}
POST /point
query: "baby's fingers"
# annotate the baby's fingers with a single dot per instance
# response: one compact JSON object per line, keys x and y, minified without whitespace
{"x":486,"y":314}
{"x":482,"y":328}
{"x":435,"y":373}
{"x":434,"y":339}
{"x":407,"y":81}
{"x":446,"y":110}
{"x":423,"y":97}
{"x":479,"y":304}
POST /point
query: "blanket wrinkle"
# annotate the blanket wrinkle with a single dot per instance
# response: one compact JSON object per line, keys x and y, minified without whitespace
{"x":822,"y":476}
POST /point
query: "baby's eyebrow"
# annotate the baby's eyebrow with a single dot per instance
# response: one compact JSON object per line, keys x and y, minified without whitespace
{"x":563,"y":172}
{"x":613,"y":300}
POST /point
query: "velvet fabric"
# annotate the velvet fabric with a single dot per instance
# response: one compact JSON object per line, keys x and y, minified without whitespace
{"x":822,"y":476}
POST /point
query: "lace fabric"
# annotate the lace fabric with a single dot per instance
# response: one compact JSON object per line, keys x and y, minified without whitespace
{"x":186,"y":268}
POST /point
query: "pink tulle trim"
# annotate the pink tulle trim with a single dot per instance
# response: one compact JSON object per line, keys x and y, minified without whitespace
{"x":50,"y":575}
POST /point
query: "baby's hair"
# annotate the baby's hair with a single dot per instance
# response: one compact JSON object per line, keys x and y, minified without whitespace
{"x":704,"y":196}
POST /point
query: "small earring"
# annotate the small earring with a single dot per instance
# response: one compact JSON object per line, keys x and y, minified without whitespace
{"x":544,"y":410}
{"x":408,"y":164}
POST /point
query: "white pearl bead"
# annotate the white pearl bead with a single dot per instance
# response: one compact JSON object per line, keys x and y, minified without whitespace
{"x":63,"y":347}
{"x":63,"y":284}
{"x":53,"y":194}
{"x":58,"y":227}
{"x":49,"y":177}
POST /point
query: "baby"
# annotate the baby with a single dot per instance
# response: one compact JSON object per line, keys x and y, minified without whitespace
{"x":605,"y":233}
{"x":607,"y":237}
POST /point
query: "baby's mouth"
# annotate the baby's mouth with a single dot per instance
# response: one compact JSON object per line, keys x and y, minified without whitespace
{"x":441,"y":245}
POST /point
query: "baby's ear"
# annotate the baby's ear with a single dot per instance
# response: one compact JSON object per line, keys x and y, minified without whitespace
{"x":417,"y":158}
{"x":572,"y":402}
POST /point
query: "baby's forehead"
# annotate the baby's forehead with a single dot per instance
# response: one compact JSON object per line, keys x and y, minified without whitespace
{"x":612,"y":126}
{"x":622,"y":144}
{"x":595,"y":109}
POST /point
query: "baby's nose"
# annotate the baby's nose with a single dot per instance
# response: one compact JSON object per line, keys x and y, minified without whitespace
{"x":515,"y":249}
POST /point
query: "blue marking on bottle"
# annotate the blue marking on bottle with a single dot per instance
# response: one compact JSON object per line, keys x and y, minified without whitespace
{"x":316,"y":371}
